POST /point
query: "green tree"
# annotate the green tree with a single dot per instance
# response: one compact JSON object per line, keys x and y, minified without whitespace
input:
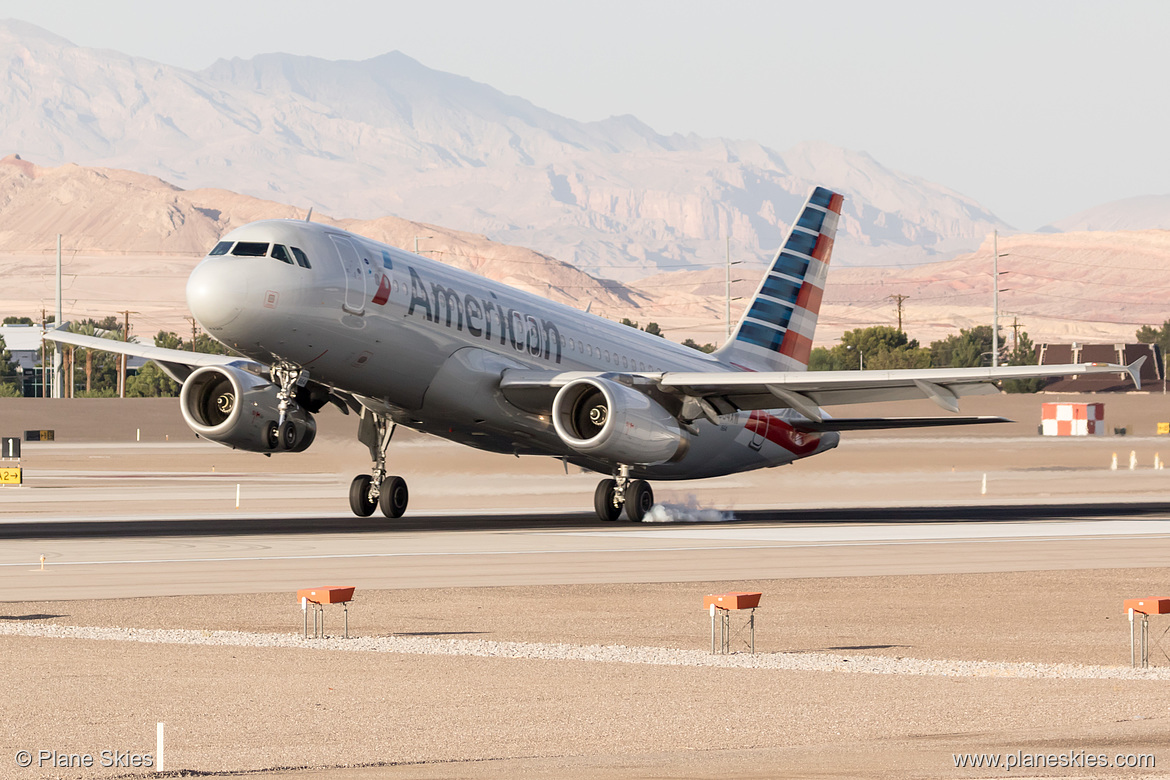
{"x":651,"y":327}
{"x":708,"y":348}
{"x":1024,"y":354}
{"x":18,"y":321}
{"x":881,"y":347}
{"x":972,"y":347}
{"x":151,"y":382}
{"x":1148,"y":334}
{"x":11,"y":377}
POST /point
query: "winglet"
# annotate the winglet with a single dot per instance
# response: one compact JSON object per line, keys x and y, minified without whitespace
{"x":1134,"y":370}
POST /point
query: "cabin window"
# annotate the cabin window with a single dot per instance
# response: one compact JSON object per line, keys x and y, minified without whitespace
{"x":221,"y":248}
{"x":641,"y":366}
{"x":570,"y":343}
{"x":625,"y":362}
{"x":250,"y":249}
{"x":607,"y":356}
{"x":580,"y":347}
{"x":281,"y":254}
{"x":302,"y":258}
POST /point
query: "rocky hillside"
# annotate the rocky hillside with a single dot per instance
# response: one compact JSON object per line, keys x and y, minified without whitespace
{"x":390,"y":136}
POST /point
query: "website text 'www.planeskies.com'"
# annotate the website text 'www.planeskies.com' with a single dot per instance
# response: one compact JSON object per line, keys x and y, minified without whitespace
{"x":1069,"y":759}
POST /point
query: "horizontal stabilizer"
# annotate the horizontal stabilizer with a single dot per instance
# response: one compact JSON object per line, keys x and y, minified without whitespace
{"x":882,"y":423}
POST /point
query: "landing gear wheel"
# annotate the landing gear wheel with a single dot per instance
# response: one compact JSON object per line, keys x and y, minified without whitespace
{"x":288,"y":435}
{"x":394,"y":497}
{"x":604,"y":500}
{"x":359,"y":496}
{"x":307,"y":437}
{"x":271,"y":437}
{"x":639,"y":499}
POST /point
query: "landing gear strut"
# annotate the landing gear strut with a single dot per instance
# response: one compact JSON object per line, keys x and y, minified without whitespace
{"x":284,"y":433}
{"x":369,"y":492}
{"x":612,"y":494}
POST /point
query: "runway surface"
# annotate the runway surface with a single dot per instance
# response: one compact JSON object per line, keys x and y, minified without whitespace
{"x":144,"y":556}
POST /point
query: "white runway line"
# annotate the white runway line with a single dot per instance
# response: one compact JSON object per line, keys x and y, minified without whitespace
{"x":908,"y":532}
{"x":649,"y":656}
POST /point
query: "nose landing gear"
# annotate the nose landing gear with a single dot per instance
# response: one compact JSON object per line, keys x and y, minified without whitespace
{"x":611,"y":495}
{"x":369,"y":492}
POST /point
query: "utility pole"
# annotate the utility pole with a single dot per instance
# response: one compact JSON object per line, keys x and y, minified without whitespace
{"x":995,"y":298}
{"x":1016,"y":333}
{"x":57,"y":352}
{"x":194,"y":328}
{"x":727,"y":298}
{"x":899,"y":299}
{"x":416,"y":238}
{"x":44,"y":356}
{"x":123,"y":363}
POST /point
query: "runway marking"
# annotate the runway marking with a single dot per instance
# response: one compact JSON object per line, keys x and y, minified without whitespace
{"x":647,"y":656}
{"x":921,"y":531}
{"x":50,"y":563}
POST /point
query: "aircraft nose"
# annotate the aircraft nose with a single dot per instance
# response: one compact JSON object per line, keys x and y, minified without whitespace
{"x":215,"y":293}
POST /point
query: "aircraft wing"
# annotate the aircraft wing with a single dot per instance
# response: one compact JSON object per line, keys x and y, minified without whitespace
{"x":177,"y":363}
{"x":713,"y":393}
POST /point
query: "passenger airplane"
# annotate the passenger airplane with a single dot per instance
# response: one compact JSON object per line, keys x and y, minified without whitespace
{"x":325,"y":316}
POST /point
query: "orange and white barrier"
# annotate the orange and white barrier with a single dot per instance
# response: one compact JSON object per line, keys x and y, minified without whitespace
{"x":1066,"y":419}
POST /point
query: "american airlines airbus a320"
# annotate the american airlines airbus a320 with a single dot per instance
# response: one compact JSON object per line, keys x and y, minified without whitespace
{"x":325,"y":316}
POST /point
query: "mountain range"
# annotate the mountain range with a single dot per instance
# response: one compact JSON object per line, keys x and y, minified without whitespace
{"x":390,"y":136}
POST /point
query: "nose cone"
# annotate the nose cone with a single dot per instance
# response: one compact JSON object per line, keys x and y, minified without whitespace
{"x":215,"y":292}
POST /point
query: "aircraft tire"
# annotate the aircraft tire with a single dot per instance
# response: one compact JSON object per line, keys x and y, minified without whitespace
{"x":639,"y":499}
{"x":288,"y":435}
{"x":603,"y":502}
{"x":394,"y":497}
{"x":271,"y":435}
{"x":359,"y":496}
{"x":307,"y":437}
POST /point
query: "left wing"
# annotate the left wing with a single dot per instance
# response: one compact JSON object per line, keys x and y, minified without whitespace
{"x":177,"y":363}
{"x":710,"y":394}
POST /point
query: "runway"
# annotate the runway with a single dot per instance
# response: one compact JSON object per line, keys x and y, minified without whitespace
{"x":145,"y":556}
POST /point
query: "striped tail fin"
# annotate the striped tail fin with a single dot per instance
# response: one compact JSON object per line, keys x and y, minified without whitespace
{"x":776,"y":331}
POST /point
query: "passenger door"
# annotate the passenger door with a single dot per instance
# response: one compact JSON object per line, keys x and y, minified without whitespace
{"x":355,"y":275}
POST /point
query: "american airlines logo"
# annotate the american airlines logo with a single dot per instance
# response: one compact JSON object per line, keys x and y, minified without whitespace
{"x":484,"y":318}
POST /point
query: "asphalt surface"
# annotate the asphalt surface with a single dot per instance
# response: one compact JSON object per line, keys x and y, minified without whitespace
{"x":285,"y":525}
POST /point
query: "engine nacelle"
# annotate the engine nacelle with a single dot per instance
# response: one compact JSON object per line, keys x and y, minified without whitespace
{"x":238,"y":409}
{"x":606,"y":419}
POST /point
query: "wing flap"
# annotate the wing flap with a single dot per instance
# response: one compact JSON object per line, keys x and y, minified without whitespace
{"x":886,"y":423}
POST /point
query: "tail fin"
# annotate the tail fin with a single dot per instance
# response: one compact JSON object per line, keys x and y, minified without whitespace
{"x":776,"y":331}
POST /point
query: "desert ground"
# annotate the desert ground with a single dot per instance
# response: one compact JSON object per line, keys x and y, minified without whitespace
{"x":873,"y":659}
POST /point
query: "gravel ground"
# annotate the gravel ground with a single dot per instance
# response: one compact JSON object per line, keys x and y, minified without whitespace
{"x":614,"y":654}
{"x":851,"y":681}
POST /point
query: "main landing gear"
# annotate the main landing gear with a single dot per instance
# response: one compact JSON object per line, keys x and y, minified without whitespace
{"x":612,"y":495}
{"x":377,"y":491}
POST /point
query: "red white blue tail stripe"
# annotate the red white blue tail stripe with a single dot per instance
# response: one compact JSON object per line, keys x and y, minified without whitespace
{"x":776,"y":332}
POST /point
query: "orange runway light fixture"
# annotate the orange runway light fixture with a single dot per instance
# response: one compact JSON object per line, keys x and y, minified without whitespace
{"x":326,"y":594}
{"x":733,"y":600}
{"x":1147,"y":606}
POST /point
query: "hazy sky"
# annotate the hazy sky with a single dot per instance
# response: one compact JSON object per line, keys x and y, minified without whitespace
{"x":1035,"y":109}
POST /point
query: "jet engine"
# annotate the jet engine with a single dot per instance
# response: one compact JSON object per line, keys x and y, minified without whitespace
{"x":239,"y":409}
{"x":608,"y":420}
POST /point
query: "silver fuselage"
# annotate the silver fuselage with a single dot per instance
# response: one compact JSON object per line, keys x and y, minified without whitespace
{"x":426,"y":344}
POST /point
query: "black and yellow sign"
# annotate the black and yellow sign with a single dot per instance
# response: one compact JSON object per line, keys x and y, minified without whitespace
{"x":11,"y":475}
{"x":40,"y":435}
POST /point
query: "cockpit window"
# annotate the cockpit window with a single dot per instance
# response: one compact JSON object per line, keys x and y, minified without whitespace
{"x":250,"y":249}
{"x":302,"y":258}
{"x":281,"y":254}
{"x":221,"y":248}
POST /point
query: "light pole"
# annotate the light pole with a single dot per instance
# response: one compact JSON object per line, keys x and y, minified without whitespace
{"x":860,"y":356}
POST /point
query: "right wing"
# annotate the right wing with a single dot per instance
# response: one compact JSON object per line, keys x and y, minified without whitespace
{"x":177,"y":363}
